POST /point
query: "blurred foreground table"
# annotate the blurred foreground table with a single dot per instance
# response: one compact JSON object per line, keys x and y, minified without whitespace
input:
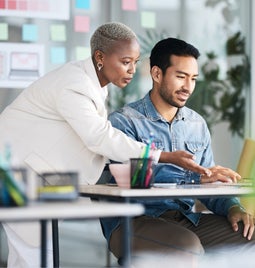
{"x":60,"y":210}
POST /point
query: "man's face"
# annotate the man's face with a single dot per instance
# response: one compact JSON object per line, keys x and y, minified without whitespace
{"x":179,"y":81}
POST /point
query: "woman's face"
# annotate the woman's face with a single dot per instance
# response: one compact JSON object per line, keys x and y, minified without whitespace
{"x":119,"y":64}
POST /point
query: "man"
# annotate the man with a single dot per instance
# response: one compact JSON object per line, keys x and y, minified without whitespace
{"x":171,"y":226}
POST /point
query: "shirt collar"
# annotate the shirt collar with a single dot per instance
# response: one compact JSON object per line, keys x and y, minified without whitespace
{"x":181,"y":114}
{"x":153,"y":114}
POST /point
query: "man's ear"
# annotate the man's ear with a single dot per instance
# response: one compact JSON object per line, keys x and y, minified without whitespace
{"x":156,"y":74}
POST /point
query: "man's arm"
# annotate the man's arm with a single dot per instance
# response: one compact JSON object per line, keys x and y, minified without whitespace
{"x":236,"y":214}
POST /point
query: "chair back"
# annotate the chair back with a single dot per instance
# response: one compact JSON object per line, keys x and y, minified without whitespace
{"x":246,"y":168}
{"x":246,"y":165}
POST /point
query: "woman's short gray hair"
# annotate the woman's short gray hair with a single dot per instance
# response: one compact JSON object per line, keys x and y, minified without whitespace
{"x":108,"y":33}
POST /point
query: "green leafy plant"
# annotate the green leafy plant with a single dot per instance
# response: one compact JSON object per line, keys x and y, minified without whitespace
{"x":235,"y":44}
{"x":223,"y":100}
{"x":148,"y":41}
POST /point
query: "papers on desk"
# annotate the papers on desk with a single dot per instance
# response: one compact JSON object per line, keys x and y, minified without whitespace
{"x":244,"y":183}
{"x":204,"y":185}
{"x":164,"y":185}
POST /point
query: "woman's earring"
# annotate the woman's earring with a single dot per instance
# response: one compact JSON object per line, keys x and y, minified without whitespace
{"x":99,"y":66}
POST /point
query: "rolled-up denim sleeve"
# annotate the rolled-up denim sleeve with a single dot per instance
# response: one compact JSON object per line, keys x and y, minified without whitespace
{"x":220,"y":206}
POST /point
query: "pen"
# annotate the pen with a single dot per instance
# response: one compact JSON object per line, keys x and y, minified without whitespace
{"x":146,"y":166}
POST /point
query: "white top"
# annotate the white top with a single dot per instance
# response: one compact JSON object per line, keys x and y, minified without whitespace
{"x":80,"y":209}
{"x":59,"y":123}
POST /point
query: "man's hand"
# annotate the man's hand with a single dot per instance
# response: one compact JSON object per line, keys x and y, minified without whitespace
{"x":184,"y":160}
{"x":219,"y":173}
{"x":237,"y":214}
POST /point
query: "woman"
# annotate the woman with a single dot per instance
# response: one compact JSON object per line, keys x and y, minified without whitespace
{"x":59,"y":123}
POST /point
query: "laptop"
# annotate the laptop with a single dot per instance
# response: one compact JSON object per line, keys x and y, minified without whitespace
{"x":24,"y":66}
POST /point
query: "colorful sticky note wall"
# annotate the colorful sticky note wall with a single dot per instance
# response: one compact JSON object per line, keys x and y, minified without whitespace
{"x":81,"y":24}
{"x":49,"y":9}
{"x":82,"y":4}
{"x":58,"y":32}
{"x":82,"y":53}
{"x":30,"y":32}
{"x":129,"y":5}
{"x":4,"y":34}
{"x":58,"y":55}
{"x":148,"y":19}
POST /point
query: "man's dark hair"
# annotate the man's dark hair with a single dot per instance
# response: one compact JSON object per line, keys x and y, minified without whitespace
{"x":164,"y":49}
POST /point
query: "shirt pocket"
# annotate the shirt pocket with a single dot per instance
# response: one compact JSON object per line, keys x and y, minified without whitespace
{"x":196,"y":148}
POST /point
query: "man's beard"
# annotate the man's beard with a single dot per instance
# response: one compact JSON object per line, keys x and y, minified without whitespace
{"x":169,"y":99}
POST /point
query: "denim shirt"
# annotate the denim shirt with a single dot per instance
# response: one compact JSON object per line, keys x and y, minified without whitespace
{"x":188,"y":131}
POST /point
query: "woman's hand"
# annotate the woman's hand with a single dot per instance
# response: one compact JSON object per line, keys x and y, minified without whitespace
{"x":184,"y":160}
{"x":219,"y":173}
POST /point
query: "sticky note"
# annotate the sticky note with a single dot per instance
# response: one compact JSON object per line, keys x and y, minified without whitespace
{"x":129,"y":5}
{"x":82,"y":4}
{"x":30,"y":32}
{"x":4,"y":34}
{"x":148,"y":19}
{"x":82,"y":53}
{"x":58,"y":55}
{"x":58,"y":32}
{"x":81,"y":24}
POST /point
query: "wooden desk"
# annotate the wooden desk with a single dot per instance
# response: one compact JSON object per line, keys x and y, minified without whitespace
{"x":80,"y":209}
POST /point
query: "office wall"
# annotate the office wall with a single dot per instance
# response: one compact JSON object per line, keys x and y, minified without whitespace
{"x":63,"y":34}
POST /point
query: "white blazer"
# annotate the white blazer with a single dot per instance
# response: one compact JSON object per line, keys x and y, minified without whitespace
{"x":59,"y":123}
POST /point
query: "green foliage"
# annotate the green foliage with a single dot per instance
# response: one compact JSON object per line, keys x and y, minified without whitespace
{"x":148,"y":41}
{"x":235,"y":44}
{"x":224,"y":100}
